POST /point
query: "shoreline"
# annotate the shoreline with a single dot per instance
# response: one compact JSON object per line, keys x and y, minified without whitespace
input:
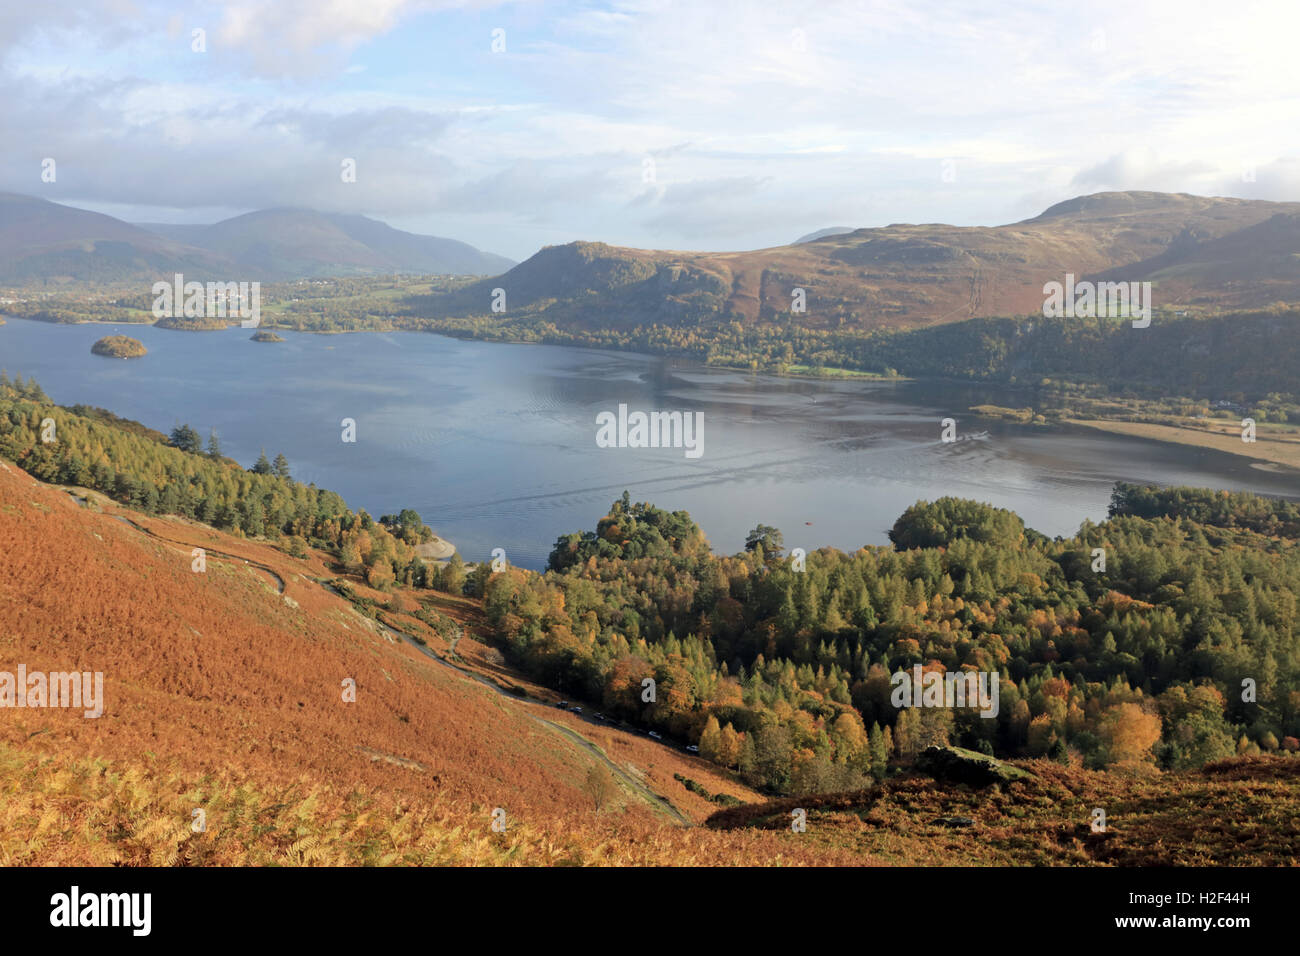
{"x":1273,"y":456}
{"x":439,"y":550}
{"x":1268,"y":454}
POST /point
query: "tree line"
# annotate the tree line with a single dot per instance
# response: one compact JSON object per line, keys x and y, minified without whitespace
{"x":1180,"y":650}
{"x":176,"y":475}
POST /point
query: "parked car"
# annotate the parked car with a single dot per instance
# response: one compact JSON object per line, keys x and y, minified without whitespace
{"x":600,"y":716}
{"x":576,"y":710}
{"x":562,"y":704}
{"x":656,"y":735}
{"x":693,"y":749}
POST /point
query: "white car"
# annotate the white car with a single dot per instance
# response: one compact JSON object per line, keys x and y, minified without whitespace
{"x":693,"y":749}
{"x":656,"y":735}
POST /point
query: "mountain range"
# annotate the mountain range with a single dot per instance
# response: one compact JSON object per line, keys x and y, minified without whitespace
{"x":1198,"y":252}
{"x":43,"y":241}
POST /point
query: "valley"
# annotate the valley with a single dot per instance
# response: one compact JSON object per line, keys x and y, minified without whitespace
{"x":325,"y":688}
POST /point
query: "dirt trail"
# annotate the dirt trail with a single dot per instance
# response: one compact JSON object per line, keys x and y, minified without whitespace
{"x":209,"y":552}
{"x":638,"y":788}
{"x":187,"y":547}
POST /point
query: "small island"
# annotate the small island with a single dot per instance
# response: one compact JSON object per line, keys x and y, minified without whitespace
{"x":266,"y":337}
{"x":118,"y":346}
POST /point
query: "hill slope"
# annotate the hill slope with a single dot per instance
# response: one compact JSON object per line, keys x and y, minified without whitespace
{"x":223,"y":693}
{"x":915,"y":275}
{"x":291,"y":243}
{"x":45,"y":242}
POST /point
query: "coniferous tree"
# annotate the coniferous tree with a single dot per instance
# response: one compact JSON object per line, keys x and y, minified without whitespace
{"x":186,"y":439}
{"x":879,"y":757}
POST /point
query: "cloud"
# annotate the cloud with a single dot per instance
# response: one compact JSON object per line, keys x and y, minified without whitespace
{"x":1144,"y":169}
{"x":527,"y":189}
{"x":280,"y":38}
{"x":388,"y":125}
{"x":764,"y":120}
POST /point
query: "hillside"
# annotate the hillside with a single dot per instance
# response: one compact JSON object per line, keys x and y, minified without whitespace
{"x":223,"y":695}
{"x":46,"y":243}
{"x":1239,"y":812}
{"x":223,"y":692}
{"x":43,"y":242}
{"x":293,"y":243}
{"x":908,"y":276}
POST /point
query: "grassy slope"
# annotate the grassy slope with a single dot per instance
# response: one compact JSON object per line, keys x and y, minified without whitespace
{"x":224,"y":694}
{"x":913,"y":275}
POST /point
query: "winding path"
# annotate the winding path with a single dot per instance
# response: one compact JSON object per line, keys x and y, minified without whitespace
{"x":638,"y":788}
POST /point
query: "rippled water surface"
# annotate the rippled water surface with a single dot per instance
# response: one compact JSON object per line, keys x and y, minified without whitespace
{"x":495,"y":444}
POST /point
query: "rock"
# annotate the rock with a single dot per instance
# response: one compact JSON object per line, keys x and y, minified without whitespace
{"x":956,"y":765}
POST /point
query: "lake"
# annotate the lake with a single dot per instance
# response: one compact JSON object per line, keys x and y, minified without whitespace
{"x":495,"y":445}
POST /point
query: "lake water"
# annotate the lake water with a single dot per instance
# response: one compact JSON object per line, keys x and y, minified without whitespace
{"x":495,"y":445}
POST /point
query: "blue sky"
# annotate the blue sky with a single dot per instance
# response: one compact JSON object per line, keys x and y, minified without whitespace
{"x":697,"y":125}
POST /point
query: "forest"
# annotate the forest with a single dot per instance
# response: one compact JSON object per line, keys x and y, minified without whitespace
{"x":1179,"y":650}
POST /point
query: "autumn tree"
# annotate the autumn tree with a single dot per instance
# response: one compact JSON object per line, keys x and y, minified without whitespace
{"x":907,"y":733}
{"x":1128,"y":733}
{"x":849,"y":737}
{"x":711,"y":740}
{"x":729,"y":747}
{"x":600,"y":786}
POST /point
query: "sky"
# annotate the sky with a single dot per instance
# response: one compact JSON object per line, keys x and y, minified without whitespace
{"x":703,"y":125}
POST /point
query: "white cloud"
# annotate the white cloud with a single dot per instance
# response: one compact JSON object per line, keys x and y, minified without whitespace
{"x":758,"y":132}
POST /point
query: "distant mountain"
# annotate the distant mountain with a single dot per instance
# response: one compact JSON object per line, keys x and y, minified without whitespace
{"x":42,"y":241}
{"x":822,"y":234}
{"x":290,"y":243}
{"x":1211,"y":253}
